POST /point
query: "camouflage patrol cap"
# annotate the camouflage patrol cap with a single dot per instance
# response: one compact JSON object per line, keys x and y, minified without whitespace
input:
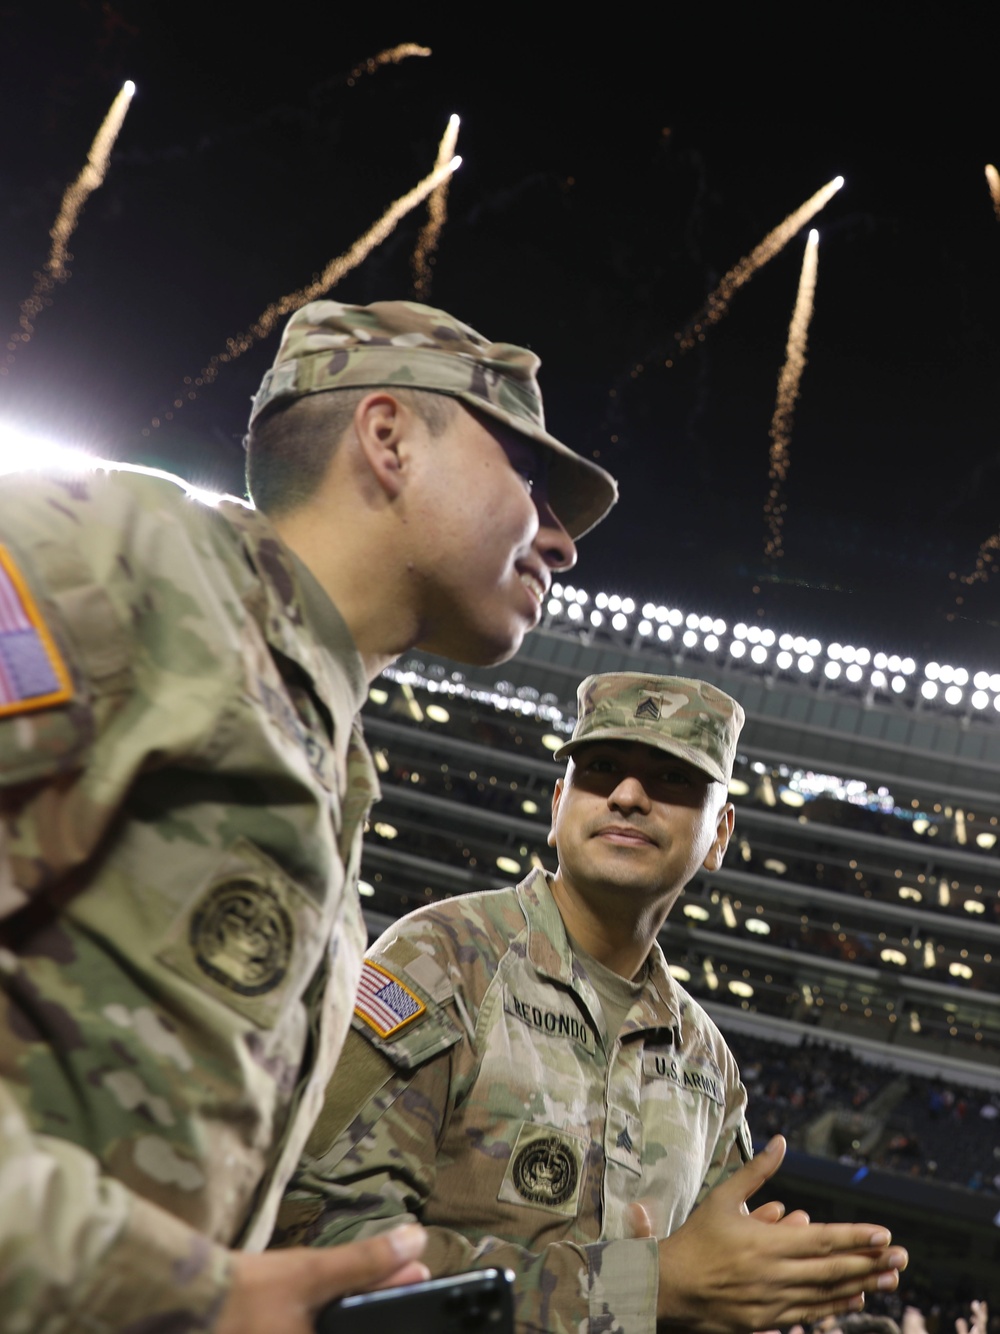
{"x":327,"y":345}
{"x":690,"y":719}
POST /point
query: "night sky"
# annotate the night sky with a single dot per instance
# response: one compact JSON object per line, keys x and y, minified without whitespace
{"x":612,"y":174}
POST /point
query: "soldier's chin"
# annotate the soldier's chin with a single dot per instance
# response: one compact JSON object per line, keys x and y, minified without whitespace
{"x":481,"y":650}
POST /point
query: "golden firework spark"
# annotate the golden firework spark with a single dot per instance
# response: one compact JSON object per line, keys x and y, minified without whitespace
{"x":773,"y":243}
{"x":986,"y":563}
{"x":334,"y":271}
{"x":437,"y":216}
{"x":993,"y":181}
{"x":788,"y":392}
{"x":56,"y":269}
{"x":391,"y":56}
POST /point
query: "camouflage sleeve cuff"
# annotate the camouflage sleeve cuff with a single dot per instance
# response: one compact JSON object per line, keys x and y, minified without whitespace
{"x":158,"y":1273}
{"x":624,"y":1284}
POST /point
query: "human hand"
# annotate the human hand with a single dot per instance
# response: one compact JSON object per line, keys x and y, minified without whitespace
{"x":980,"y":1320}
{"x":283,"y":1290}
{"x":726,"y":1271}
{"x":912,"y":1322}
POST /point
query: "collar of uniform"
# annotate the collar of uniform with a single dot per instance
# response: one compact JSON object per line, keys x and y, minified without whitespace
{"x":548,"y":944}
{"x":295,"y":600}
{"x":550,"y":951}
{"x":658,"y":981}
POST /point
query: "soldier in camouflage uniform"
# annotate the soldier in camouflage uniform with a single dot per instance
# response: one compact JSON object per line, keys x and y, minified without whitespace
{"x":183,"y":784}
{"x":526,"y":1078}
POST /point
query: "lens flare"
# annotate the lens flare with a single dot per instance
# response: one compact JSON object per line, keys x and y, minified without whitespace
{"x":993,"y":181}
{"x":773,"y":243}
{"x":334,"y":271}
{"x":437,"y":216}
{"x":56,"y":269}
{"x":788,"y":392}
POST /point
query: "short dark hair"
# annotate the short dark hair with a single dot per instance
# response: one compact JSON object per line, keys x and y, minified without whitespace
{"x":289,"y":448}
{"x":863,"y":1323}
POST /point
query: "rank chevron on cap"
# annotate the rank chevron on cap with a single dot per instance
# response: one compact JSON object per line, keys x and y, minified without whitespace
{"x":32,"y":673}
{"x":384,"y":1002}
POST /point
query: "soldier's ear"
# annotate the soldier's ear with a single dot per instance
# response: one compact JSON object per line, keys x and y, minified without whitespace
{"x":723,"y":833}
{"x":556,"y":797}
{"x":381,"y":423}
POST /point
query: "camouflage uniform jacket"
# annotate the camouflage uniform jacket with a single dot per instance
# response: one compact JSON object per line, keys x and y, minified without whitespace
{"x":502,"y":1115}
{"x":179,"y":941}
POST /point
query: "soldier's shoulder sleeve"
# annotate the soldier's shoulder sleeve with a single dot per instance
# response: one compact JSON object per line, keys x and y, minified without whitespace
{"x":78,"y":1250}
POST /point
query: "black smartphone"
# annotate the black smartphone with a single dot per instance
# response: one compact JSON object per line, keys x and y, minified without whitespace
{"x":480,"y":1301}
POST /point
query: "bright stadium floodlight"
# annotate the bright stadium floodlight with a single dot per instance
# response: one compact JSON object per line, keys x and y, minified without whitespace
{"x":737,"y":648}
{"x":575,"y":612}
{"x":675,"y":617}
{"x":557,"y":591}
{"x":740,"y":630}
{"x":648,"y":610}
{"x":880,"y":661}
{"x":928,"y":689}
{"x":20,"y":451}
{"x":614,"y":602}
{"x":619,"y":621}
{"x":832,"y":670}
{"x":862,"y":657}
{"x":705,"y":624}
{"x":554,"y":607}
{"x":601,"y":600}
{"x":907,"y":666}
{"x":596,"y":618}
{"x":691,"y":621}
{"x":628,"y":606}
{"x":664,"y":634}
{"x":961,"y":676}
{"x":767,"y":638}
{"x":932,"y":671}
{"x":834,"y":651}
{"x":785,"y":643}
{"x":758,"y":654}
{"x":980,"y":699}
{"x":690,"y":639}
{"x":662,"y":614}
{"x":947,"y":675}
{"x":854,"y":672}
{"x":718,"y":626}
{"x":953,"y":695}
{"x":800,"y":644}
{"x":711,"y":643}
{"x":878,"y":679}
{"x":805,"y":664}
{"x":784,"y":658}
{"x":899,"y":684}
{"x":645,"y":627}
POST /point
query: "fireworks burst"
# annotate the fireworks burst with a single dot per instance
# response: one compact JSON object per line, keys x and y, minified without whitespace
{"x":56,"y":269}
{"x":391,"y":56}
{"x":334,"y":271}
{"x":773,"y":243}
{"x":788,"y":392}
{"x":993,"y":181}
{"x":437,"y":216}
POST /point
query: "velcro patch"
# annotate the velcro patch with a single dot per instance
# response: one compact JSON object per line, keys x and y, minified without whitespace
{"x":32,"y":672}
{"x":385,"y":1003}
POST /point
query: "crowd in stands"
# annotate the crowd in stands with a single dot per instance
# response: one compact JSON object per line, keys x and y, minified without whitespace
{"x":826,"y":1102}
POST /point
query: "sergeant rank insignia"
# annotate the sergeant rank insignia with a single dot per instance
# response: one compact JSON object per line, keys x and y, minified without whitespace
{"x":648,"y":707}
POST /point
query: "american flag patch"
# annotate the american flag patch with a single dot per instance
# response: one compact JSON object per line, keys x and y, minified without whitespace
{"x":385,"y":1003}
{"x":32,"y":673}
